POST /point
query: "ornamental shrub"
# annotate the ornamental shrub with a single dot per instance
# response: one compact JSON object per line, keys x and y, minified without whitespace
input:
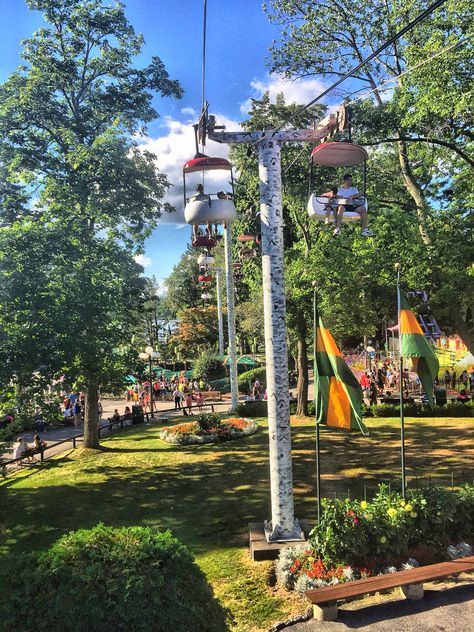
{"x":387,"y":529}
{"x":208,"y":421}
{"x":105,"y":579}
{"x":257,"y":408}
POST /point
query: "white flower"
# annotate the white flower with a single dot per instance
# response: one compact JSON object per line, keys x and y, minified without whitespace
{"x":460,"y":550}
{"x":348,"y":573}
{"x":390,"y":569}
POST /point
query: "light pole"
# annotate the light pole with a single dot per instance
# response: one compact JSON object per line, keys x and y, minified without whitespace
{"x":148,"y":355}
{"x":229,"y":282}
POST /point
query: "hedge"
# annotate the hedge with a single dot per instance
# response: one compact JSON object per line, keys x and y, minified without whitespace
{"x":251,"y":376}
{"x":130,"y":579}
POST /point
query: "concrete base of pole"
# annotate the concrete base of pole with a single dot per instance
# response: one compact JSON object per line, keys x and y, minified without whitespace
{"x":261,"y":549}
{"x":276,"y":535}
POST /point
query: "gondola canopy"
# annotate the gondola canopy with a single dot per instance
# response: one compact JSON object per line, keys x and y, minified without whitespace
{"x":338,"y":154}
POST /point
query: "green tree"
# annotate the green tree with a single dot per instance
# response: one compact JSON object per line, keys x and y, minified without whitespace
{"x":182,"y":284}
{"x":422,"y":130}
{"x":68,"y":116}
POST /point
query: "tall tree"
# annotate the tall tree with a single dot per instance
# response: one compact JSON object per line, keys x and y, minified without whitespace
{"x":424,"y":122}
{"x":68,"y":117}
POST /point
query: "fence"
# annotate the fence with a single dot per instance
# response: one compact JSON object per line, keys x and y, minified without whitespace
{"x":421,"y":480}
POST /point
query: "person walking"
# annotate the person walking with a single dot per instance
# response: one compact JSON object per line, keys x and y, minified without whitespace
{"x":177,"y":398}
{"x":77,"y":414}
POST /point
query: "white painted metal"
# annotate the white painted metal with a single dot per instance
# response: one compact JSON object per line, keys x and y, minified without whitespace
{"x":283,"y":526}
{"x":317,"y":208}
{"x":205,"y":260}
{"x":209,"y":209}
{"x":229,"y":280}
{"x":220,"y":320}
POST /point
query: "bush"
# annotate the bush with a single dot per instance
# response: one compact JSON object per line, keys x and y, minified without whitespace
{"x":388,"y":527}
{"x":253,"y":408}
{"x":108,"y":580}
{"x":355,"y":539}
{"x":208,"y":367}
{"x":222,"y":385}
{"x":452,"y":409}
{"x":248,"y":377}
{"x":208,"y":421}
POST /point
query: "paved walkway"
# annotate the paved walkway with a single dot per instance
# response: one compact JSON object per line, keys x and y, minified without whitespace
{"x":446,"y":607}
{"x":68,"y":432}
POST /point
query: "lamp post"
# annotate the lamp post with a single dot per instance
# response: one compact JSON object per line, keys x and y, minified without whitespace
{"x":147,"y":355}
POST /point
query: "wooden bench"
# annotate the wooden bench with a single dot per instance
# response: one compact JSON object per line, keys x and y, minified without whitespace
{"x":212,"y":395}
{"x":324,"y":600}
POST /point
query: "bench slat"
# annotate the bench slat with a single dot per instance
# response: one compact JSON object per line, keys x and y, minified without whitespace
{"x":417,"y":575}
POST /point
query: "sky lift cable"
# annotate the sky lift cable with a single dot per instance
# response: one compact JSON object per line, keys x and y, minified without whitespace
{"x":380,"y":86}
{"x":424,"y":14}
{"x":203,"y":98}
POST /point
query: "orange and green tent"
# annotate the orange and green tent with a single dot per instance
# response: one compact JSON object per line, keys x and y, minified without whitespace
{"x":415,"y":346}
{"x":338,"y":394}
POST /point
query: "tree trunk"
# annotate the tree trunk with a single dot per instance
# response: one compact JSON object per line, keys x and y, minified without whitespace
{"x":413,"y":189}
{"x":91,"y":436}
{"x":302,"y":366}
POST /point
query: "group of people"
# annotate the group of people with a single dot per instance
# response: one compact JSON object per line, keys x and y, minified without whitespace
{"x":463,"y":381}
{"x":21,"y":449}
{"x":383,"y":378}
{"x":73,"y":407}
{"x":180,"y":390}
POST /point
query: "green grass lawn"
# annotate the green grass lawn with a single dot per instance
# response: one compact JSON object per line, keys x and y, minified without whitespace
{"x":207,"y":494}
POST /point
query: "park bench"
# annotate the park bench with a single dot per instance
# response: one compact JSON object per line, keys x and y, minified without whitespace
{"x":212,"y":395}
{"x":29,"y":454}
{"x":324,"y":600}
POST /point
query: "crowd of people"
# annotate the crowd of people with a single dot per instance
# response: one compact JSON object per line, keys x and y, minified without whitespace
{"x":383,"y":378}
{"x":184,"y":392}
{"x":73,"y":407}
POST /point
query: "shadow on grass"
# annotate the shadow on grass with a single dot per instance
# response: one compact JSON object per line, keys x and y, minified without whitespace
{"x":206,"y":494}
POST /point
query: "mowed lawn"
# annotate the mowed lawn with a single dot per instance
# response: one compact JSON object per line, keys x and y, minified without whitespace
{"x":207,"y":494}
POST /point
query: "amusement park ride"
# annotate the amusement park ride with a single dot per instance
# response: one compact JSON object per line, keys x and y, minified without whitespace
{"x":211,"y":209}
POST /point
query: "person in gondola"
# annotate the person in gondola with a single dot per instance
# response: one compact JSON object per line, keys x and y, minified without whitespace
{"x":350,"y":194}
{"x":200,"y":195}
{"x":330,"y":207}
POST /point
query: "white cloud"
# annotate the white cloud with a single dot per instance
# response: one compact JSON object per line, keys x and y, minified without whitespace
{"x":176,"y":147}
{"x":188,"y":111}
{"x":143,"y":261}
{"x":299,"y":91}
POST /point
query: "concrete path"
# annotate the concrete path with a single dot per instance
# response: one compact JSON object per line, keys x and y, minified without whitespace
{"x":446,"y":607}
{"x":68,"y":432}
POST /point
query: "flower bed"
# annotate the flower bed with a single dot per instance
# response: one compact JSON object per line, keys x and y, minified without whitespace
{"x":358,"y":539}
{"x":212,"y":431}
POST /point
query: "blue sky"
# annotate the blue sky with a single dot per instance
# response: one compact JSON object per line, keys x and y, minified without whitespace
{"x":238,"y":38}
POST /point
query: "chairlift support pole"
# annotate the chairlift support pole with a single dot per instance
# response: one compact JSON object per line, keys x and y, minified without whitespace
{"x":229,"y":282}
{"x":283,"y":525}
{"x":220,"y":322}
